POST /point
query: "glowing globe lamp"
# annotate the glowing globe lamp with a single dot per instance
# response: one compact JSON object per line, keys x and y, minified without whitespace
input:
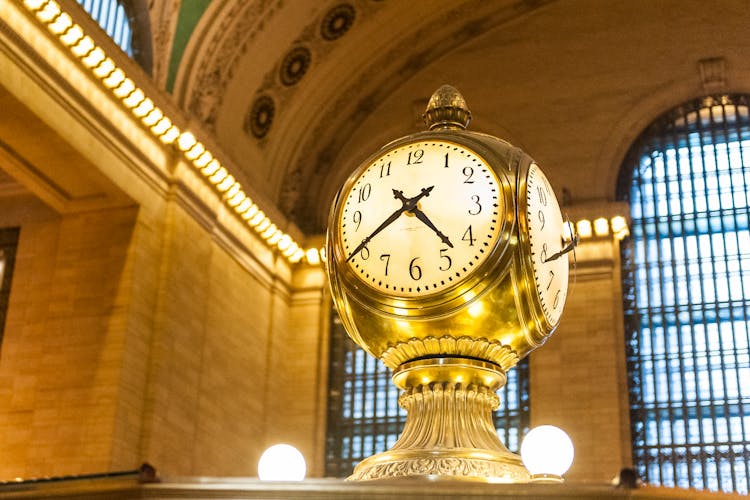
{"x":282,"y":462}
{"x":547,"y":452}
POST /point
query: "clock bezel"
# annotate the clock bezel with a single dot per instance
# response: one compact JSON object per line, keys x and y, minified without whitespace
{"x":455,"y":296}
{"x":526,"y":261}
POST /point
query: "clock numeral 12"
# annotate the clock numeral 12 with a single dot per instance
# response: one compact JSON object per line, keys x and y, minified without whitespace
{"x":415,"y":157}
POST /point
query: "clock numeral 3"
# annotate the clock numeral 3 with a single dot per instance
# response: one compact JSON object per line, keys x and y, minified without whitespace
{"x":478,"y":208}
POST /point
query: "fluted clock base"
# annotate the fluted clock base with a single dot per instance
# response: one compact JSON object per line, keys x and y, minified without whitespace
{"x":449,"y":433}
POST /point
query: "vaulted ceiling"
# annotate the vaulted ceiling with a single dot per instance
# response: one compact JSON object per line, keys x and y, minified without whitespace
{"x":299,"y":92}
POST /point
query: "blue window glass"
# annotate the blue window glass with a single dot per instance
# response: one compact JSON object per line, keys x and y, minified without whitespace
{"x":364,"y":417}
{"x":686,"y":275}
{"x":113,"y":18}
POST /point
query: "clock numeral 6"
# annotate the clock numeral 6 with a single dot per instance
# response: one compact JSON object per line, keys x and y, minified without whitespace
{"x":414,"y":270}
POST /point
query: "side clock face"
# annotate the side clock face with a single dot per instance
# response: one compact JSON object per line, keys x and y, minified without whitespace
{"x":420,"y":218}
{"x":549,"y":250}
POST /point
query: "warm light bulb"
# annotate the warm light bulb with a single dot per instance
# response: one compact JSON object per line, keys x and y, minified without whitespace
{"x":282,"y":462}
{"x":601,"y":226}
{"x":547,"y":452}
{"x":584,"y":228}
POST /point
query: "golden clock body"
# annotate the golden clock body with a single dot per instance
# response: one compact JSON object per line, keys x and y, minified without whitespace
{"x":492,"y":314}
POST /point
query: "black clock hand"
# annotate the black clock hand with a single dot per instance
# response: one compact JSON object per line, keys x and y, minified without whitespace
{"x":421,"y":216}
{"x":565,"y":250}
{"x":406,"y":204}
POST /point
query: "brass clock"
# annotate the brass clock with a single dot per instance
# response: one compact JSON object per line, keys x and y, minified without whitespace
{"x":447,"y":260}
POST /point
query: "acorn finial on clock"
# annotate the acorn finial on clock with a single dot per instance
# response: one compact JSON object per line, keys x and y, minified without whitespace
{"x":447,"y":109}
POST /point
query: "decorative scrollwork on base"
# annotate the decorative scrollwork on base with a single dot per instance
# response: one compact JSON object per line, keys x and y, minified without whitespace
{"x":477,"y":348}
{"x":451,"y":467}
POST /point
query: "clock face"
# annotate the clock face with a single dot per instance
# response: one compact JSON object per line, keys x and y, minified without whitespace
{"x":545,"y":227}
{"x":420,"y":218}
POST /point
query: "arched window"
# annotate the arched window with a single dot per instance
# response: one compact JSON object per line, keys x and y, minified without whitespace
{"x":363,"y":413}
{"x":126,"y":22}
{"x":686,"y":288}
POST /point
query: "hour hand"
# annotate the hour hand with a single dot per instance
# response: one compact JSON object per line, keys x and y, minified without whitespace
{"x":570,"y":246}
{"x":421,"y":216}
{"x":395,"y":215}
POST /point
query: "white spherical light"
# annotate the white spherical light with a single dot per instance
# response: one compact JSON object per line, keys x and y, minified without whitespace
{"x":282,"y":462}
{"x":547,"y":452}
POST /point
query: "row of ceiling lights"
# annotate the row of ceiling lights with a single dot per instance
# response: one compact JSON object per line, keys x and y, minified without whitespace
{"x":132,"y":97}
{"x":94,"y":58}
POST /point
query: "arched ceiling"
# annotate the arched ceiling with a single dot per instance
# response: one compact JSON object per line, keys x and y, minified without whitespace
{"x":299,"y":92}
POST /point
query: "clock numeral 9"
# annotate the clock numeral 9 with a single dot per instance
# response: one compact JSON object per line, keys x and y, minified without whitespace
{"x":414,"y":270}
{"x":387,"y":258}
{"x":540,"y":215}
{"x":415,"y":157}
{"x":357,"y":219}
{"x":364,"y":193}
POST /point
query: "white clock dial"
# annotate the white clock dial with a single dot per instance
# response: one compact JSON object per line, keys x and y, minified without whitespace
{"x":421,"y":218}
{"x":549,"y":258}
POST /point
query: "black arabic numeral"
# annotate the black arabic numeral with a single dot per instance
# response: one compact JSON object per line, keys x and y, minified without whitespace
{"x":543,"y":254}
{"x":357,"y":219}
{"x":385,"y":170}
{"x":540,"y":215}
{"x":364,"y":253}
{"x":468,"y":236}
{"x":551,"y":278}
{"x":364,"y":193}
{"x":387,"y":258}
{"x":542,"y":195}
{"x":415,"y":157}
{"x":468,"y":173}
{"x":475,"y":199}
{"x":447,"y":257}
{"x":414,"y":270}
{"x":446,"y":161}
{"x":556,"y":302}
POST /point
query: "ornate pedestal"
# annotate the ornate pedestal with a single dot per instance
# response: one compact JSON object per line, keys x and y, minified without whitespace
{"x":449,"y":433}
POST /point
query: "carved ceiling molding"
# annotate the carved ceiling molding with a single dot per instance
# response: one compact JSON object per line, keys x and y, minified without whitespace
{"x":164,"y":16}
{"x":315,"y":41}
{"x":241,"y":21}
{"x":300,"y":194}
